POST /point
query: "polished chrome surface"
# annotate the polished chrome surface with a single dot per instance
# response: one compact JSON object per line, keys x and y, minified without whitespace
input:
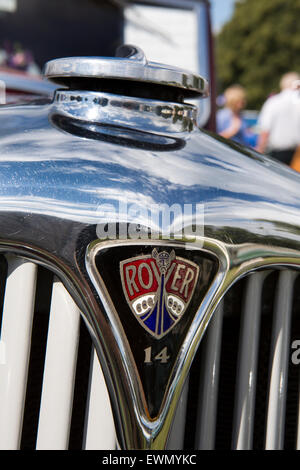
{"x":130,"y":113}
{"x":57,"y":169}
{"x":128,"y":51}
{"x":133,"y":67}
{"x":27,"y":83}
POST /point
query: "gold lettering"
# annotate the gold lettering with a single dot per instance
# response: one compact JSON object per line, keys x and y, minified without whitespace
{"x":189,"y":276}
{"x":140,"y":269}
{"x":130,"y":279}
{"x":177,"y":276}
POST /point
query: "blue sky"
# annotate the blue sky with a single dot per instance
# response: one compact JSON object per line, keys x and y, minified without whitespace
{"x":221,"y":11}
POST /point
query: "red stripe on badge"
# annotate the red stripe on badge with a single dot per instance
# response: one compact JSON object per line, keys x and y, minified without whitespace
{"x":182,"y":280}
{"x":140,"y":277}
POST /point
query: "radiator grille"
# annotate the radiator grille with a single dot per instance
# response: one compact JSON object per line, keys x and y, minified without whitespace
{"x":242,"y":391}
{"x":51,"y":385}
{"x":243,"y":385}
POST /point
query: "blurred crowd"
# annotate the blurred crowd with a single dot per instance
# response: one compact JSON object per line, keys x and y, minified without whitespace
{"x":278,"y":126}
{"x":14,"y":56}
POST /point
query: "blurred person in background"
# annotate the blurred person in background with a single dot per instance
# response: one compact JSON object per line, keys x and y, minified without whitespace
{"x":279,"y":121}
{"x":14,"y":56}
{"x":230,"y":122}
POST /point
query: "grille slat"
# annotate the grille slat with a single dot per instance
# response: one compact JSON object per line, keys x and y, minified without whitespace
{"x":39,"y":367}
{"x":209,"y":383}
{"x":298,"y":429}
{"x":279,"y":361}
{"x":15,"y":345}
{"x":97,"y":436}
{"x":59,"y":371}
{"x":176,"y":439}
{"x":243,"y":427}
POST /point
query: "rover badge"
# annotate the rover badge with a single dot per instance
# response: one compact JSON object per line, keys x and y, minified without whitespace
{"x":158,"y":288}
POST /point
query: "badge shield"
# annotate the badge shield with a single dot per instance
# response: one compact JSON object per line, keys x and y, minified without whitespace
{"x":155,"y":291}
{"x":158,"y":289}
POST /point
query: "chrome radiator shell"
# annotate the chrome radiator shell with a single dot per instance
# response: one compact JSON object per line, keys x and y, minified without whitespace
{"x":57,"y":168}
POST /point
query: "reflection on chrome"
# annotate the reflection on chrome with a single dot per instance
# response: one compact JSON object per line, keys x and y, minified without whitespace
{"x":60,"y":162}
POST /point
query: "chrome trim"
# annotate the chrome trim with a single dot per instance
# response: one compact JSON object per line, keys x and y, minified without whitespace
{"x":135,"y":68}
{"x":128,"y":51}
{"x":27,"y":84}
{"x":138,"y":431}
{"x":131,"y":113}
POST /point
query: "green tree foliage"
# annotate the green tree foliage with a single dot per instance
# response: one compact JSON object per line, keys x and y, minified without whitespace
{"x":257,"y":46}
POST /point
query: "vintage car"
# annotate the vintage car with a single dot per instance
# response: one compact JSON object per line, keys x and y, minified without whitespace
{"x":149,"y":270}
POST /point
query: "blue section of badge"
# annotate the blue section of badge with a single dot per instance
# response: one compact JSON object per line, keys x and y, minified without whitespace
{"x":158,"y":321}
{"x":150,"y":322}
{"x":161,"y":317}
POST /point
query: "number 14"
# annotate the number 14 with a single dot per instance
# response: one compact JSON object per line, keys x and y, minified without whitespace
{"x":162,"y":356}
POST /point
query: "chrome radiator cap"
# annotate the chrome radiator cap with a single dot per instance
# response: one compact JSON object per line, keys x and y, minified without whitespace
{"x":130,"y":65}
